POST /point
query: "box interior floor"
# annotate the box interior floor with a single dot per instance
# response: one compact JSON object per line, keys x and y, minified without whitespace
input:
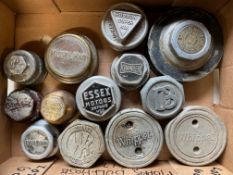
{"x":24,"y":24}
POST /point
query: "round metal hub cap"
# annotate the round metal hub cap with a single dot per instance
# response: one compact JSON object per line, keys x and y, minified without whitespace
{"x":53,"y":107}
{"x":124,"y":26}
{"x":133,"y":138}
{"x":58,"y":107}
{"x":20,"y":105}
{"x":68,"y":55}
{"x":196,"y":137}
{"x":39,"y":141}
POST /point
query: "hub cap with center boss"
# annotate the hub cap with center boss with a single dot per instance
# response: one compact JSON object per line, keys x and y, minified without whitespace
{"x":124,"y":26}
{"x":133,"y":138}
{"x":81,"y":143}
{"x":196,"y":137}
{"x":186,"y":44}
{"x":39,"y":141}
{"x":162,"y":97}
{"x":98,"y":98}
{"x":130,"y":70}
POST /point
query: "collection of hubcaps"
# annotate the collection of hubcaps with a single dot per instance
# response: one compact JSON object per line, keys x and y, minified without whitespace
{"x":182,"y":45}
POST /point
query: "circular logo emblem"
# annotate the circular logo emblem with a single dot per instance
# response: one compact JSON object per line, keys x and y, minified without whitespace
{"x":191,"y":39}
{"x":68,"y":56}
{"x":36,"y":142}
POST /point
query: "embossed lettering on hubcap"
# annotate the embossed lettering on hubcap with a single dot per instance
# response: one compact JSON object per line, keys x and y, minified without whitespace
{"x":97,"y":99}
{"x":125,"y":22}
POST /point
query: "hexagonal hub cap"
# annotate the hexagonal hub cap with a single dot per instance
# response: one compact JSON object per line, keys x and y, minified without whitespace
{"x":17,"y":64}
{"x":81,"y":143}
{"x":190,"y":40}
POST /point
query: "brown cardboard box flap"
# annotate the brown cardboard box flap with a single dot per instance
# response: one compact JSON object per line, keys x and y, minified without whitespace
{"x":212,"y":169}
{"x":89,"y":5}
{"x":226,"y":84}
{"x":7,"y":20}
{"x":200,"y":92}
{"x":210,"y":5}
{"x":225,"y":19}
{"x":23,"y":166}
{"x":227,"y":117}
{"x":111,"y":168}
{"x":32,"y":6}
{"x":54,"y":6}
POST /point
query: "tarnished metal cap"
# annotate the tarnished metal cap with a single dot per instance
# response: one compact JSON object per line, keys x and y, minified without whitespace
{"x":162,"y":97}
{"x":130,"y":70}
{"x":196,"y":137}
{"x":58,"y":107}
{"x":186,"y":44}
{"x":190,"y":41}
{"x":23,"y":105}
{"x":71,"y":58}
{"x":39,"y":141}
{"x":24,"y":67}
{"x":124,"y":26}
{"x":133,"y":138}
{"x":81,"y":143}
{"x":98,"y":98}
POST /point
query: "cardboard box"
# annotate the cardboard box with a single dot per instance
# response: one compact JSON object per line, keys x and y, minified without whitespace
{"x":25,"y":22}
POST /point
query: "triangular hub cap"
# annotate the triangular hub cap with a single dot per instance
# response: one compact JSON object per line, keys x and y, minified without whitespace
{"x":125,"y":22}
